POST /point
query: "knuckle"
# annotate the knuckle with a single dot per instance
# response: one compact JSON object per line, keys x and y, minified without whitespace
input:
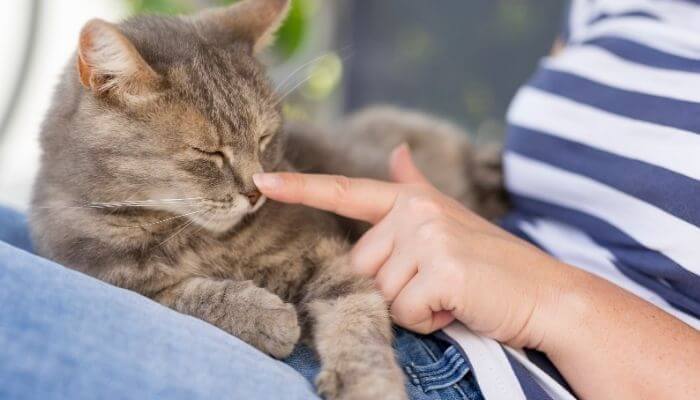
{"x":434,"y":230}
{"x":424,"y":205}
{"x":451,"y":270}
{"x":407,"y":315}
{"x":381,"y":286}
{"x":342,"y":186}
{"x":386,"y":288}
{"x":296,"y":181}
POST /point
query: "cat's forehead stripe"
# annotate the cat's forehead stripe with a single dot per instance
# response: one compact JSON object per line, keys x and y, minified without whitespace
{"x":230,"y":95}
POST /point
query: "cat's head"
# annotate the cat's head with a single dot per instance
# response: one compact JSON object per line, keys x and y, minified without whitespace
{"x":179,"y":108}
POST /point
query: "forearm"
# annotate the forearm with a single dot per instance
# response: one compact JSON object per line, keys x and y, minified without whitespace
{"x":609,"y":343}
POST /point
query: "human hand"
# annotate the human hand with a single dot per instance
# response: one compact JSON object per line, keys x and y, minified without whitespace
{"x":434,"y":260}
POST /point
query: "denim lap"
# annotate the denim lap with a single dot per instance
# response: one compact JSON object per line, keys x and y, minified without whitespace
{"x":434,"y":369}
{"x":13,"y":229}
{"x":66,"y":335}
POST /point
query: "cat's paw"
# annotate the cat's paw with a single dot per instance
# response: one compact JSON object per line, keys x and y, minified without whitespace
{"x":333,"y":385}
{"x":277,"y":326}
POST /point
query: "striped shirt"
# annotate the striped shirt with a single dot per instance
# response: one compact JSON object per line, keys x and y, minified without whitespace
{"x":602,"y":161}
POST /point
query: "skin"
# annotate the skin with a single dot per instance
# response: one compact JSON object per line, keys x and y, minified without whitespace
{"x":436,"y":261}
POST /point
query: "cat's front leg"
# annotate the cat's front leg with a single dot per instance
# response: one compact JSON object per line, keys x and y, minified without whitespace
{"x":249,"y":312}
{"x":352,"y":335}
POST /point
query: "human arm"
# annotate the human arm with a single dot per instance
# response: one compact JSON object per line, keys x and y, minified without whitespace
{"x":435,"y":261}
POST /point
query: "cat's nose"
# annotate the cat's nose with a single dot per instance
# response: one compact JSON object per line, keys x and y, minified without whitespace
{"x":253,"y":196}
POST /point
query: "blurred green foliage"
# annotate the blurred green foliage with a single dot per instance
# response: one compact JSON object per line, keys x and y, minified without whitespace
{"x":161,"y":6}
{"x":290,"y":37}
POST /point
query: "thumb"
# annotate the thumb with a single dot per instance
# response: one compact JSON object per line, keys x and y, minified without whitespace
{"x":402,"y":167}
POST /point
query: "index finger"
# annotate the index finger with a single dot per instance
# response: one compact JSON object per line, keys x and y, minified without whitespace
{"x":364,"y":199}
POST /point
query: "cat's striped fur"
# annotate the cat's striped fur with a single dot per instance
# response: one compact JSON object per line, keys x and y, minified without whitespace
{"x":178,"y":108}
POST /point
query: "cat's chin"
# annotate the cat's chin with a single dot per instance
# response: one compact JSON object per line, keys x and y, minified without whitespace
{"x":221,"y":221}
{"x":219,"y":226}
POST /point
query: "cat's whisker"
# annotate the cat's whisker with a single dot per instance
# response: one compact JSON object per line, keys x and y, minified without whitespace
{"x":204,"y":225}
{"x":133,"y":203}
{"x":156,"y":200}
{"x":286,"y":80}
{"x":315,"y":60}
{"x":281,"y":98}
{"x":116,"y":209}
{"x":293,"y":88}
{"x":107,"y":206}
{"x":290,"y":91}
{"x":180,"y":230}
{"x":167,"y":219}
{"x":148,"y":201}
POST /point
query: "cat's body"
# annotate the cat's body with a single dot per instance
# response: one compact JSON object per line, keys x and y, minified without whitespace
{"x":146,"y":182}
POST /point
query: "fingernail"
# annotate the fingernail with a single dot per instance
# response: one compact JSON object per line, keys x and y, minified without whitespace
{"x":395,"y":155}
{"x":267,"y":181}
{"x":398,"y":150}
{"x":401,"y":148}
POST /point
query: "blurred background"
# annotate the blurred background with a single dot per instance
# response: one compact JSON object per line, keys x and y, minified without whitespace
{"x":462,"y":60}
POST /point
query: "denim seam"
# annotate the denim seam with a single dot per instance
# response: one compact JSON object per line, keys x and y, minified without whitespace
{"x":439,"y":368}
{"x":432,"y":367}
{"x":450,"y":369}
{"x":449,"y":380}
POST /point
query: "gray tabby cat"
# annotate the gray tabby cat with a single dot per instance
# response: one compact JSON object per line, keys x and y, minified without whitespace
{"x":360,"y":146}
{"x":146,"y":182}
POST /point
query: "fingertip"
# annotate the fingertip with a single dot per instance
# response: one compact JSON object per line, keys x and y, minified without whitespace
{"x":399,"y":155}
{"x":401,"y":149}
{"x":402,"y":167}
{"x":267,"y":182}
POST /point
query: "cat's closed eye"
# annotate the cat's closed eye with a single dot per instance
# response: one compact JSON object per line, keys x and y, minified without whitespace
{"x":264,"y":140}
{"x":217,"y":155}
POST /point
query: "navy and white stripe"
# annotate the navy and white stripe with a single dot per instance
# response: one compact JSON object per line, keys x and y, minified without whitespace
{"x":602,"y":161}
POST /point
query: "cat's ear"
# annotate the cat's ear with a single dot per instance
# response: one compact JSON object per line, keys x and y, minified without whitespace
{"x":255,"y":21}
{"x":109,"y":62}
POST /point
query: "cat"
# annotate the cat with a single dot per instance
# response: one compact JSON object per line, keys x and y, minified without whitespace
{"x":361,"y":144}
{"x":148,"y":152}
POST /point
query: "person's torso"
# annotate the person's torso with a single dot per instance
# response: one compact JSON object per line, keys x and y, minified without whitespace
{"x":602,"y":156}
{"x":602,"y":163}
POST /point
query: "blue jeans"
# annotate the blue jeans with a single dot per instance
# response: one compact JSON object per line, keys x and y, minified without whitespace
{"x":65,"y":335}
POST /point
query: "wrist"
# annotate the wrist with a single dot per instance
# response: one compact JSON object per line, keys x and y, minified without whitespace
{"x":554,"y":294}
{"x":569,"y":306}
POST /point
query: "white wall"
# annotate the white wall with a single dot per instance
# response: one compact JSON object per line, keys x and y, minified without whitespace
{"x":59,"y":25}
